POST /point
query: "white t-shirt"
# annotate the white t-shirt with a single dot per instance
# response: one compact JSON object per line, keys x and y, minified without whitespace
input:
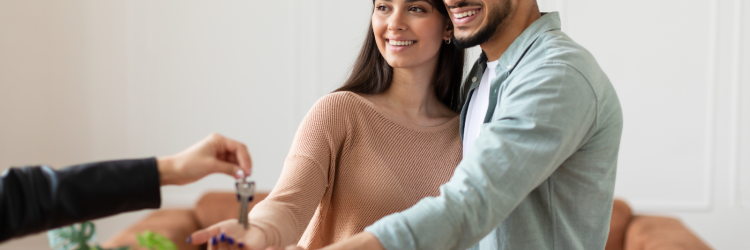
{"x":478,"y":106}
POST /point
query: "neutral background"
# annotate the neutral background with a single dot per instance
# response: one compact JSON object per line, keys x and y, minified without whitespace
{"x":93,"y":80}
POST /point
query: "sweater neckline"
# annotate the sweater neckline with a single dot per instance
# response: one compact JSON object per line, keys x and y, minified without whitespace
{"x":395,"y":119}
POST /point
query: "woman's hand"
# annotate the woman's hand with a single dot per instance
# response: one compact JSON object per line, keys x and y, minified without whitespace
{"x":230,"y":234}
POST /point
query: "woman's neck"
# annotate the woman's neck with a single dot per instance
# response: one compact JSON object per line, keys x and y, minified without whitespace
{"x":411,"y":96}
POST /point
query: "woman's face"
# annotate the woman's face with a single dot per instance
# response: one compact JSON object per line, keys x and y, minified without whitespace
{"x":409,"y":33}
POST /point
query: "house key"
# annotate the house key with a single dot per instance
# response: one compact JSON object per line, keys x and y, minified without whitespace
{"x":245,"y":193}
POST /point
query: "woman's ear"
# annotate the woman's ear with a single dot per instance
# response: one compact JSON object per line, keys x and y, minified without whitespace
{"x":448,"y":34}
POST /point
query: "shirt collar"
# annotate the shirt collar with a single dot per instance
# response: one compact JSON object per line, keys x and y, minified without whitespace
{"x":548,"y":22}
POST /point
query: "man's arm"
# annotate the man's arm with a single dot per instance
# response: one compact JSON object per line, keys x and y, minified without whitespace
{"x":541,"y":122}
{"x":34,"y":199}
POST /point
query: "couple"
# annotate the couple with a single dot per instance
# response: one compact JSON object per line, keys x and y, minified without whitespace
{"x":377,"y":164}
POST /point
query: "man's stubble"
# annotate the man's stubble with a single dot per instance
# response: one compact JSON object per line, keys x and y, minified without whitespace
{"x":497,"y":17}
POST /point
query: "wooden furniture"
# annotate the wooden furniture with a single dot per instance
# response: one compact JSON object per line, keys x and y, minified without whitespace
{"x":627,"y":231}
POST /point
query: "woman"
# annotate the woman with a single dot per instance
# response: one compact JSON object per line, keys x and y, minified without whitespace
{"x":386,"y":139}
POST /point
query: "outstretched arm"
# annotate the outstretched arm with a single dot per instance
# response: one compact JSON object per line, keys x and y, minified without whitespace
{"x":283,"y":216}
{"x":34,"y":199}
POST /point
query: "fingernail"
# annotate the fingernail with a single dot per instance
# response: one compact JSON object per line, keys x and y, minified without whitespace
{"x":213,"y":241}
{"x":230,"y":241}
{"x":241,"y":245}
{"x":223,"y":237}
{"x":189,"y":240}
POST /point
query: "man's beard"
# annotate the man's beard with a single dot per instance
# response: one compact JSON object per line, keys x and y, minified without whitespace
{"x":496,"y":18}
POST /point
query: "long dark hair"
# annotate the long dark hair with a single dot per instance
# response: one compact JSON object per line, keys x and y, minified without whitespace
{"x":371,"y":74}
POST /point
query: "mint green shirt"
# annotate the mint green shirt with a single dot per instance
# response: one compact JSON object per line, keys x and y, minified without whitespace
{"x":541,"y":175}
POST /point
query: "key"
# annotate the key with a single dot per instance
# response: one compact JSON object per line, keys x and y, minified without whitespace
{"x":245,"y":193}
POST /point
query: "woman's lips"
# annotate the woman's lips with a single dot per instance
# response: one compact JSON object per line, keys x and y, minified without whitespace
{"x":399,"y":45}
{"x":464,"y":15}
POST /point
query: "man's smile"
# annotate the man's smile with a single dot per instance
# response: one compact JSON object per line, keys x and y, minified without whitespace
{"x":464,"y":15}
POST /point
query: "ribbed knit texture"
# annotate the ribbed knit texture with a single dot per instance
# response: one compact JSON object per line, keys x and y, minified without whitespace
{"x":352,"y":163}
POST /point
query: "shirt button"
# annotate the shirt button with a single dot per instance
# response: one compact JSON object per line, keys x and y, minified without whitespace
{"x":510,"y":66}
{"x":474,"y":79}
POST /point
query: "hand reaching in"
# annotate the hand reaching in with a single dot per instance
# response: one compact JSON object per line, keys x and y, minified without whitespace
{"x":214,"y":154}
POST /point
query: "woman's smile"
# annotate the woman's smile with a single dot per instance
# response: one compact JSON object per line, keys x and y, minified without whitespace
{"x":398,"y":44}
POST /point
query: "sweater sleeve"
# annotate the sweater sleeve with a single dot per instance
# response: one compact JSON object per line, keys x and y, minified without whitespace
{"x":286,"y":212}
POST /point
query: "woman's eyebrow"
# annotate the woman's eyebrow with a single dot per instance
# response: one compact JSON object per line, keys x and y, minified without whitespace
{"x":410,"y":1}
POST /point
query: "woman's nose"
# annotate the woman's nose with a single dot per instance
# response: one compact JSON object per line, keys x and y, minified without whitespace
{"x":396,"y":22}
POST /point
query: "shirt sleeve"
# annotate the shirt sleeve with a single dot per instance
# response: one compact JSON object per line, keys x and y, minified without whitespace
{"x":542,"y":120}
{"x":34,"y":199}
{"x":285,"y":213}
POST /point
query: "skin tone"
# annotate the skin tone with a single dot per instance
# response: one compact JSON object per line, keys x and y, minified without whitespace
{"x":213,"y":154}
{"x":411,"y":96}
{"x":409,"y":34}
{"x":522,"y":15}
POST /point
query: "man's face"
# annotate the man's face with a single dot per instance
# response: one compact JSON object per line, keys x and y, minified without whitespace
{"x":475,"y":21}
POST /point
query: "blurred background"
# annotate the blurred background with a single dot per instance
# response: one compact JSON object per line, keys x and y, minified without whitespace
{"x":93,"y":80}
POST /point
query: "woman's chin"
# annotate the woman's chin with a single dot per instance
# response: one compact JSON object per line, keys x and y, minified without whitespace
{"x":402,"y":63}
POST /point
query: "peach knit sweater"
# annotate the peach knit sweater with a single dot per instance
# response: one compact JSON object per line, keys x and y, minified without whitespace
{"x":352,"y":163}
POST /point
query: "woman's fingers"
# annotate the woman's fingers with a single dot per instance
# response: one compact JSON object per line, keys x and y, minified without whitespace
{"x":204,"y":236}
{"x":212,"y":233}
{"x":224,"y":242}
{"x":228,"y":234}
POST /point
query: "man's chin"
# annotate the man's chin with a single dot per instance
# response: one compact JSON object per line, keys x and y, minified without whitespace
{"x":466,"y":42}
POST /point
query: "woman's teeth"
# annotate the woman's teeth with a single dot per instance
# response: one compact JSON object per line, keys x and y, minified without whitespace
{"x":400,"y":43}
{"x":466,"y":14}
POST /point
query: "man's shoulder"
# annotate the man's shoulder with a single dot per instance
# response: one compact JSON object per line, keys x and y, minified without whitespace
{"x":557,"y":47}
{"x":556,"y":55}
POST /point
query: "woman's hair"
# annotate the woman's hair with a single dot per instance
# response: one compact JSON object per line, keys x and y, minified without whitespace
{"x":371,"y":74}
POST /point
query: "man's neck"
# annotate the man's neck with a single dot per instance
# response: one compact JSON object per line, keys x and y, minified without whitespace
{"x":526,"y":13}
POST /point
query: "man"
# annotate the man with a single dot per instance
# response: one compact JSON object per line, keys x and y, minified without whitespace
{"x":541,"y":128}
{"x":33,"y":199}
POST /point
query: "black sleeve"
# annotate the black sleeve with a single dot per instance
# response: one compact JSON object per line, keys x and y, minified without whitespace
{"x":34,"y":199}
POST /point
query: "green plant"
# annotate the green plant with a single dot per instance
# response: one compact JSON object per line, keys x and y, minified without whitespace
{"x":155,"y":241}
{"x":80,"y":236}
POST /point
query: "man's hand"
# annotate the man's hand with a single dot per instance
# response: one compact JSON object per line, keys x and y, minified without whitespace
{"x":360,"y":241}
{"x":363,"y":240}
{"x":214,"y":154}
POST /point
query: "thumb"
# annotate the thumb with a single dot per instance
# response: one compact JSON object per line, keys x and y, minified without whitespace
{"x":202,"y":236}
{"x":225,"y":168}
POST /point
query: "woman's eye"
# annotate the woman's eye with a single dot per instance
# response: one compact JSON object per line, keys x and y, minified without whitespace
{"x":382,"y":8}
{"x":416,"y":9}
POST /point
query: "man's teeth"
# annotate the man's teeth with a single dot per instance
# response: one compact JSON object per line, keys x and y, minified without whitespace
{"x":466,"y":14}
{"x":400,"y":43}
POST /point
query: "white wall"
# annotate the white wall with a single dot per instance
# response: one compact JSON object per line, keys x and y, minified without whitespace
{"x":93,"y":80}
